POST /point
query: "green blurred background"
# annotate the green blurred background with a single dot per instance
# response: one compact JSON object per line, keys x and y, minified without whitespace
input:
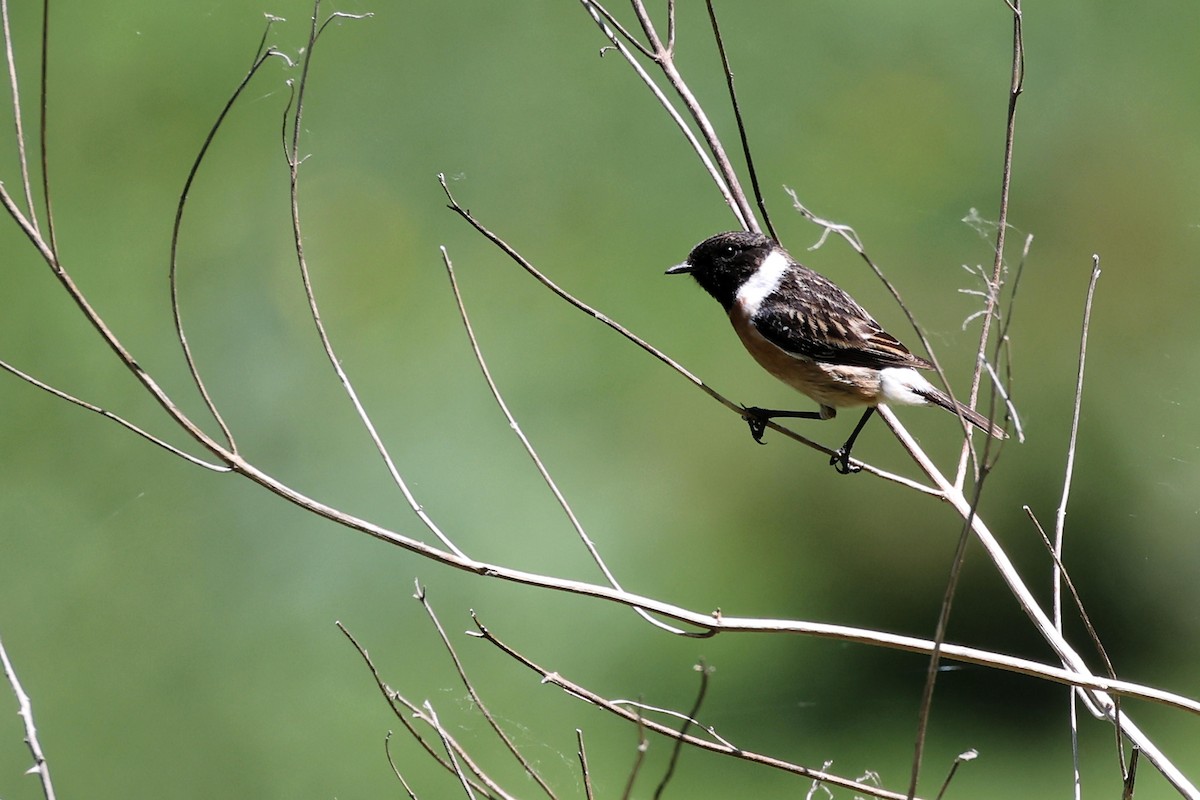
{"x":175,"y":627}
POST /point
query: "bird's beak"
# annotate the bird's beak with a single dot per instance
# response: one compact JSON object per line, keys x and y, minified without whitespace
{"x":680,"y":269}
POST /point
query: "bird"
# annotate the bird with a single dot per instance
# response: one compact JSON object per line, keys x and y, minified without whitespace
{"x":811,"y":334}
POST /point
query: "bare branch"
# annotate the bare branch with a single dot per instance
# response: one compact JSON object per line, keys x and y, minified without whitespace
{"x":722,"y":173}
{"x":260,"y":57}
{"x":689,"y":720}
{"x":961,"y":758}
{"x":393,"y":698}
{"x":387,"y":749}
{"x":292,"y":153}
{"x":1015,"y":88}
{"x":531,"y":452}
{"x":40,"y":767}
{"x":10,"y":57}
{"x":170,"y":448}
{"x":476,"y":699}
{"x":741,"y":124}
{"x":722,"y":747}
{"x":588,"y":793}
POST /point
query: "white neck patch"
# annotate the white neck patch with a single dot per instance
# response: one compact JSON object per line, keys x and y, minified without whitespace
{"x":764,"y":281}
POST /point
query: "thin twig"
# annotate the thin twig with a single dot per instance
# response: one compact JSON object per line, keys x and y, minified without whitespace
{"x":741,"y":124}
{"x":851,"y":237}
{"x":1095,"y":639}
{"x":1015,"y":89}
{"x":688,"y":721}
{"x":23,"y":161}
{"x":41,"y":766}
{"x":639,"y":758}
{"x":1060,"y":517}
{"x":1060,"y":520}
{"x":260,"y":58}
{"x":393,"y":698}
{"x":637,"y":718}
{"x":529,"y":449}
{"x":43,"y":126}
{"x":129,"y":426}
{"x":961,"y":758}
{"x":387,"y":749}
{"x":1130,"y":775}
{"x":450,"y":749}
{"x":721,"y":172}
{"x":292,"y":153}
{"x":423,"y":599}
{"x":939,"y":640}
{"x":619,"y":28}
{"x":584,"y":770}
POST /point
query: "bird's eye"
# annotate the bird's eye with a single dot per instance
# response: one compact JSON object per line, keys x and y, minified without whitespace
{"x":730,"y":250}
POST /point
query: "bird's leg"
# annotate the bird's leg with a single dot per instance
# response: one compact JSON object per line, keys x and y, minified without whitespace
{"x":841,"y":459}
{"x":757,"y":418}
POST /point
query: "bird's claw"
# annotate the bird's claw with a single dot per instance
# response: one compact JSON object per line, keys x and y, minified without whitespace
{"x":757,"y":422}
{"x":840,"y":461}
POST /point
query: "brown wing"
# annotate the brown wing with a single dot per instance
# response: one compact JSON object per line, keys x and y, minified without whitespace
{"x":811,"y":317}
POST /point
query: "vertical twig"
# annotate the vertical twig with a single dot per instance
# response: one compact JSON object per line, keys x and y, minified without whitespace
{"x":25,"y":710}
{"x":741,"y":125}
{"x":1060,"y":520}
{"x":14,"y":87}
{"x":43,"y":107}
{"x":692,"y":715}
{"x":639,"y":758}
{"x":1016,"y":86}
{"x":584,"y":770}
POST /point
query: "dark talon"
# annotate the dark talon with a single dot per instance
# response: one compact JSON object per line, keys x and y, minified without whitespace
{"x":758,"y":423}
{"x":840,"y":461}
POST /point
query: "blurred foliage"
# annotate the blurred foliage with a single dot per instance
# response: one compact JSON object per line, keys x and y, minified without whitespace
{"x":175,"y":627}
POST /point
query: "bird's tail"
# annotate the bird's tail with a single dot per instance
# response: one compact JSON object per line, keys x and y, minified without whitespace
{"x":972,"y":416}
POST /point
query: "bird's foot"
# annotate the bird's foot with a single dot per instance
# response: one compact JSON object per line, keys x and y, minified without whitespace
{"x":757,"y":419}
{"x":840,"y":461}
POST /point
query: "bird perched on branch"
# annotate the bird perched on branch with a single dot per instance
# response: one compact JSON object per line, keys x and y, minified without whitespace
{"x":809,"y":333}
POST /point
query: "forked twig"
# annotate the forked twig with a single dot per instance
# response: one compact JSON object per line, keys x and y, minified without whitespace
{"x":722,"y":171}
{"x":400,"y":704}
{"x":124,"y":423}
{"x":423,"y":599}
{"x":636,"y":717}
